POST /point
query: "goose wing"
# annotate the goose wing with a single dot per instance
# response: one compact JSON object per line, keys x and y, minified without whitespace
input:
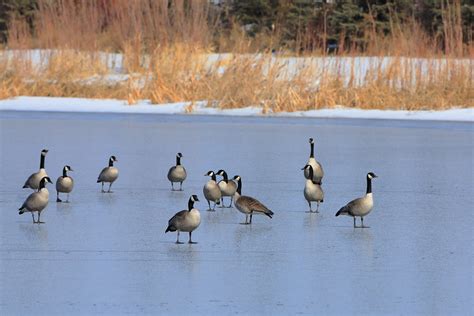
{"x":175,"y":221}
{"x":31,"y":202}
{"x":350,"y":207}
{"x":102,"y":174}
{"x":255,"y":205}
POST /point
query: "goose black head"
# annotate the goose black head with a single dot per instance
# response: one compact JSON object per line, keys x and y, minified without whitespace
{"x":371,"y":175}
{"x":307,"y":167}
{"x":220,"y":172}
{"x":210,"y":173}
{"x":44,"y":152}
{"x":236,"y":178}
{"x":194,"y":198}
{"x":68,"y":168}
{"x":113,"y":158}
{"x":43,"y":182}
{"x":179,"y":155}
{"x":311,"y":140}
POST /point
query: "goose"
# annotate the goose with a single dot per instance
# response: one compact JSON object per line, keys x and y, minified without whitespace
{"x":227,"y":187}
{"x":185,"y":220}
{"x":177,"y":173}
{"x":108,"y":174}
{"x":64,"y":184}
{"x":361,"y":206}
{"x":318,"y":172}
{"x":312,"y":190}
{"x":33,"y":181}
{"x":211,"y":191}
{"x":37,"y":201}
{"x":248,"y":205}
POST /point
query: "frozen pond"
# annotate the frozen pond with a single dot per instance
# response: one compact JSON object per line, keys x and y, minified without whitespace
{"x":108,"y":254}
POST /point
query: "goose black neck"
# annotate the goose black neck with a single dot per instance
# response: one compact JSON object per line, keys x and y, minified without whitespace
{"x":42,"y":184}
{"x":190,"y":204}
{"x":42,"y":161}
{"x":213,"y":177}
{"x":239,"y":186}
{"x":178,"y":160}
{"x":224,"y":175}
{"x":369,"y":185}
{"x":111,"y":162}
{"x":310,"y":172}
{"x":64,"y":172}
{"x":312,"y":151}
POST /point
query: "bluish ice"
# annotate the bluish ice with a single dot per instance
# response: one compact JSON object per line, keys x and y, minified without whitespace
{"x":108,"y":253}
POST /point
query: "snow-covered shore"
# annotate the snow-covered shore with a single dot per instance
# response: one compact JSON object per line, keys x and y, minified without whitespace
{"x":54,"y":104}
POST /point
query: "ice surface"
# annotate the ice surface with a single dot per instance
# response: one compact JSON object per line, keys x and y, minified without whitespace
{"x":108,"y":254}
{"x":53,"y":104}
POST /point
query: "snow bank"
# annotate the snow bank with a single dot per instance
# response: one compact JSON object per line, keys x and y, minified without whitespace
{"x":51,"y":104}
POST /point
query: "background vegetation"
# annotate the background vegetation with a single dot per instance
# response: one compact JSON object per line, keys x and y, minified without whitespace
{"x":165,"y":47}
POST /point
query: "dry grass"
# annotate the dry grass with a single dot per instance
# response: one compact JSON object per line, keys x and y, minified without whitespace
{"x":179,"y":73}
{"x":165,"y":56}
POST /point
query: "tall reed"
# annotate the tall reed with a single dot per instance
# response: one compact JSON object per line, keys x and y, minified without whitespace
{"x":166,"y":49}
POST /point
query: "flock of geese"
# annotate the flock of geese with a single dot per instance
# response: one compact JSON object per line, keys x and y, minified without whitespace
{"x":214,"y":192}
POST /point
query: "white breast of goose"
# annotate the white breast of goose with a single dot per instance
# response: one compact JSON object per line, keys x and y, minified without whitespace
{"x":192,"y":221}
{"x":227,"y":189}
{"x":312,"y":191}
{"x":64,"y":184}
{"x":111,"y":174}
{"x":364,"y":206}
{"x":178,"y":172}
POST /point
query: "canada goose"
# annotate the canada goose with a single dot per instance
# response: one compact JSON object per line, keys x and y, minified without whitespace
{"x":318,"y":172}
{"x":177,"y":173}
{"x":33,"y":181}
{"x":248,"y":205}
{"x":211,"y":191}
{"x":185,"y":220}
{"x":312,"y":190}
{"x":108,"y":174}
{"x":37,"y":201}
{"x":64,"y":184}
{"x":227,"y":187}
{"x":361,"y":206}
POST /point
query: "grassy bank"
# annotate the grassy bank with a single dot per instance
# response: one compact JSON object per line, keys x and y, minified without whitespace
{"x":167,"y":54}
{"x":180,"y":73}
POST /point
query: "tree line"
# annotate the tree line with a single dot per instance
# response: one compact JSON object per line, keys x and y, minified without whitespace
{"x":306,"y":25}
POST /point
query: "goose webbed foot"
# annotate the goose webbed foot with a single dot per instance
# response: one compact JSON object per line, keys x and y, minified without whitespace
{"x":179,"y":242}
{"x":39,"y":222}
{"x":58,"y":200}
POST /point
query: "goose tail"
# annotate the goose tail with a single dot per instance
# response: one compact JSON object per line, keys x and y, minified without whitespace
{"x":170,"y":229}
{"x":343,"y":211}
{"x":269,"y":213}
